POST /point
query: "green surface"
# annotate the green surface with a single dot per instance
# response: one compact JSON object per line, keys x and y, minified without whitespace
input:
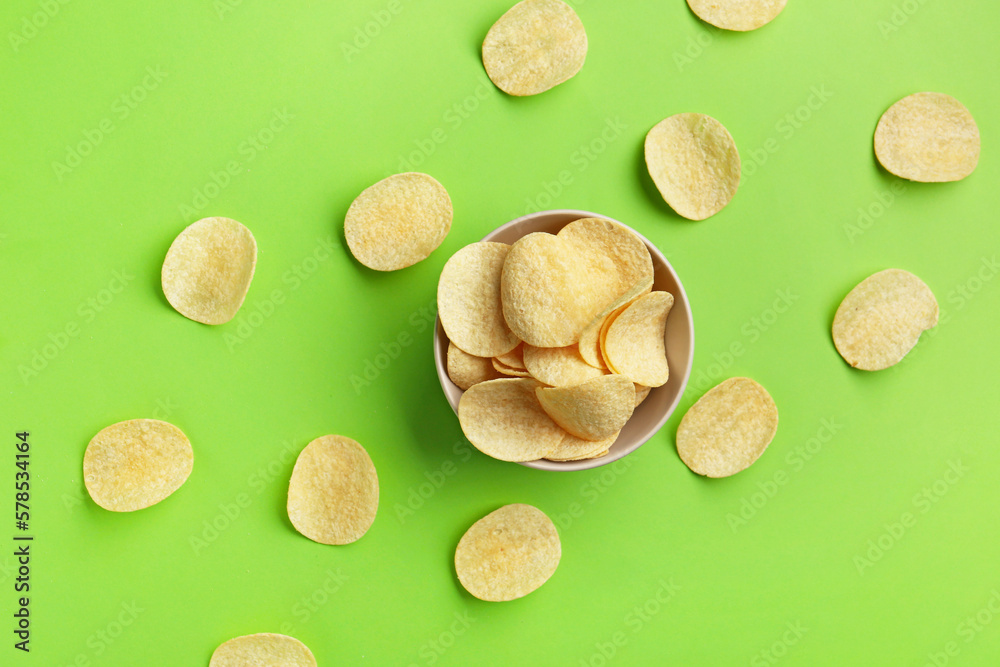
{"x":307,"y":125}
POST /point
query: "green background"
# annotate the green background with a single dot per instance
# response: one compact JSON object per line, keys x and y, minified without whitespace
{"x":854,"y":452}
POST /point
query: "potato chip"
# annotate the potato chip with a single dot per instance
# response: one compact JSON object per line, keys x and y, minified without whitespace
{"x":635,"y":343}
{"x":535,"y":46}
{"x":333,"y":492}
{"x":694,"y":163}
{"x":133,"y":464}
{"x":509,"y":371}
{"x":503,"y":419}
{"x":728,"y":428}
{"x":604,"y":334}
{"x":593,"y":410}
{"x":558,"y":366}
{"x":514,"y":358}
{"x":739,"y":15}
{"x":882,"y":318}
{"x":928,"y":137}
{"x":208,"y":268}
{"x":468,"y":300}
{"x":641,"y":392}
{"x":263,"y":650}
{"x":508,"y":553}
{"x":398,"y":222}
{"x":466,"y":370}
{"x":590,"y":337}
{"x":573,"y":448}
{"x":619,"y":254}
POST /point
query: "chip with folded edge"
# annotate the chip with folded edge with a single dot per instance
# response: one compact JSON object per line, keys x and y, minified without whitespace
{"x":503,"y":419}
{"x":881,"y":319}
{"x":398,"y":221}
{"x":208,"y":269}
{"x":593,"y":410}
{"x":535,"y":46}
{"x":590,"y":337}
{"x":728,"y":428}
{"x":137,"y":463}
{"x":741,"y":15}
{"x":468,"y":298}
{"x":466,"y":370}
{"x":265,"y":649}
{"x":508,"y":553}
{"x":573,"y":448}
{"x":510,"y":371}
{"x":558,"y":366}
{"x":333,"y":492}
{"x":635,"y":343}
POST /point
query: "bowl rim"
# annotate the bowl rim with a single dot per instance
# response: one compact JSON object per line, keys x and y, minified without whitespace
{"x":441,"y":362}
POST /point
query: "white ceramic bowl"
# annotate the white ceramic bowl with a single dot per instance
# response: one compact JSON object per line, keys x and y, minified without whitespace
{"x":649,"y":417}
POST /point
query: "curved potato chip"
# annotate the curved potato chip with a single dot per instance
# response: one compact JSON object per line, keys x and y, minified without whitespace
{"x":398,"y":221}
{"x":333,"y":492}
{"x":535,"y":46}
{"x":509,"y":371}
{"x":728,"y":428}
{"x":558,"y":366}
{"x":208,"y":268}
{"x":928,"y":137}
{"x":263,"y":650}
{"x":468,"y":300}
{"x":635,"y":342}
{"x":741,"y":15}
{"x":881,"y":319}
{"x":466,"y":370}
{"x":641,"y":392}
{"x":503,"y":419}
{"x":694,"y":163}
{"x":593,"y":410}
{"x":603,"y":339}
{"x":133,"y":464}
{"x":573,"y":448}
{"x":619,"y":253}
{"x":508,"y":553}
{"x":590,"y":337}
{"x":514,"y":358}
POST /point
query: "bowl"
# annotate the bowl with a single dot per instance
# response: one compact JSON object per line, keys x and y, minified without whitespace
{"x":653,"y":413}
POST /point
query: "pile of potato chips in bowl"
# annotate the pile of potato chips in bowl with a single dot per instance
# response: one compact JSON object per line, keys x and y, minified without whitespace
{"x":564,"y":340}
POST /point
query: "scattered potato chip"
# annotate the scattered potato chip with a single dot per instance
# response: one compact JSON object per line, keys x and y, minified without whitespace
{"x":469,"y":300}
{"x":535,"y":46}
{"x":573,"y":448}
{"x":590,"y":337}
{"x":694,"y":163}
{"x":263,"y":650}
{"x":928,"y":137}
{"x":508,"y":553}
{"x":635,"y":343}
{"x":466,"y":370}
{"x":514,"y":358}
{"x":333,"y":493}
{"x":133,"y":464}
{"x":509,"y":371}
{"x":882,"y":318}
{"x":558,"y":366}
{"x":208,"y":268}
{"x":398,"y":221}
{"x":641,"y":392}
{"x":728,"y":428}
{"x":503,"y":419}
{"x":593,"y":410}
{"x":739,"y":15}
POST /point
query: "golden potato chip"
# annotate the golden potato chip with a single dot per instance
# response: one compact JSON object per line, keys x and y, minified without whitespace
{"x":535,"y":46}
{"x":694,"y":163}
{"x":609,"y":320}
{"x":573,"y":448}
{"x":728,"y":428}
{"x":739,"y":15}
{"x":928,"y":137}
{"x":590,"y":337}
{"x":882,"y":318}
{"x":593,"y":410}
{"x":641,"y":392}
{"x":398,"y":222}
{"x":468,"y":300}
{"x":558,"y":366}
{"x":466,"y":370}
{"x":503,"y":419}
{"x":333,"y":492}
{"x":508,"y":553}
{"x":635,"y":343}
{"x":514,"y":358}
{"x":509,"y":371}
{"x":263,"y":650}
{"x":208,"y":268}
{"x":615,"y":251}
{"x":133,"y":464}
